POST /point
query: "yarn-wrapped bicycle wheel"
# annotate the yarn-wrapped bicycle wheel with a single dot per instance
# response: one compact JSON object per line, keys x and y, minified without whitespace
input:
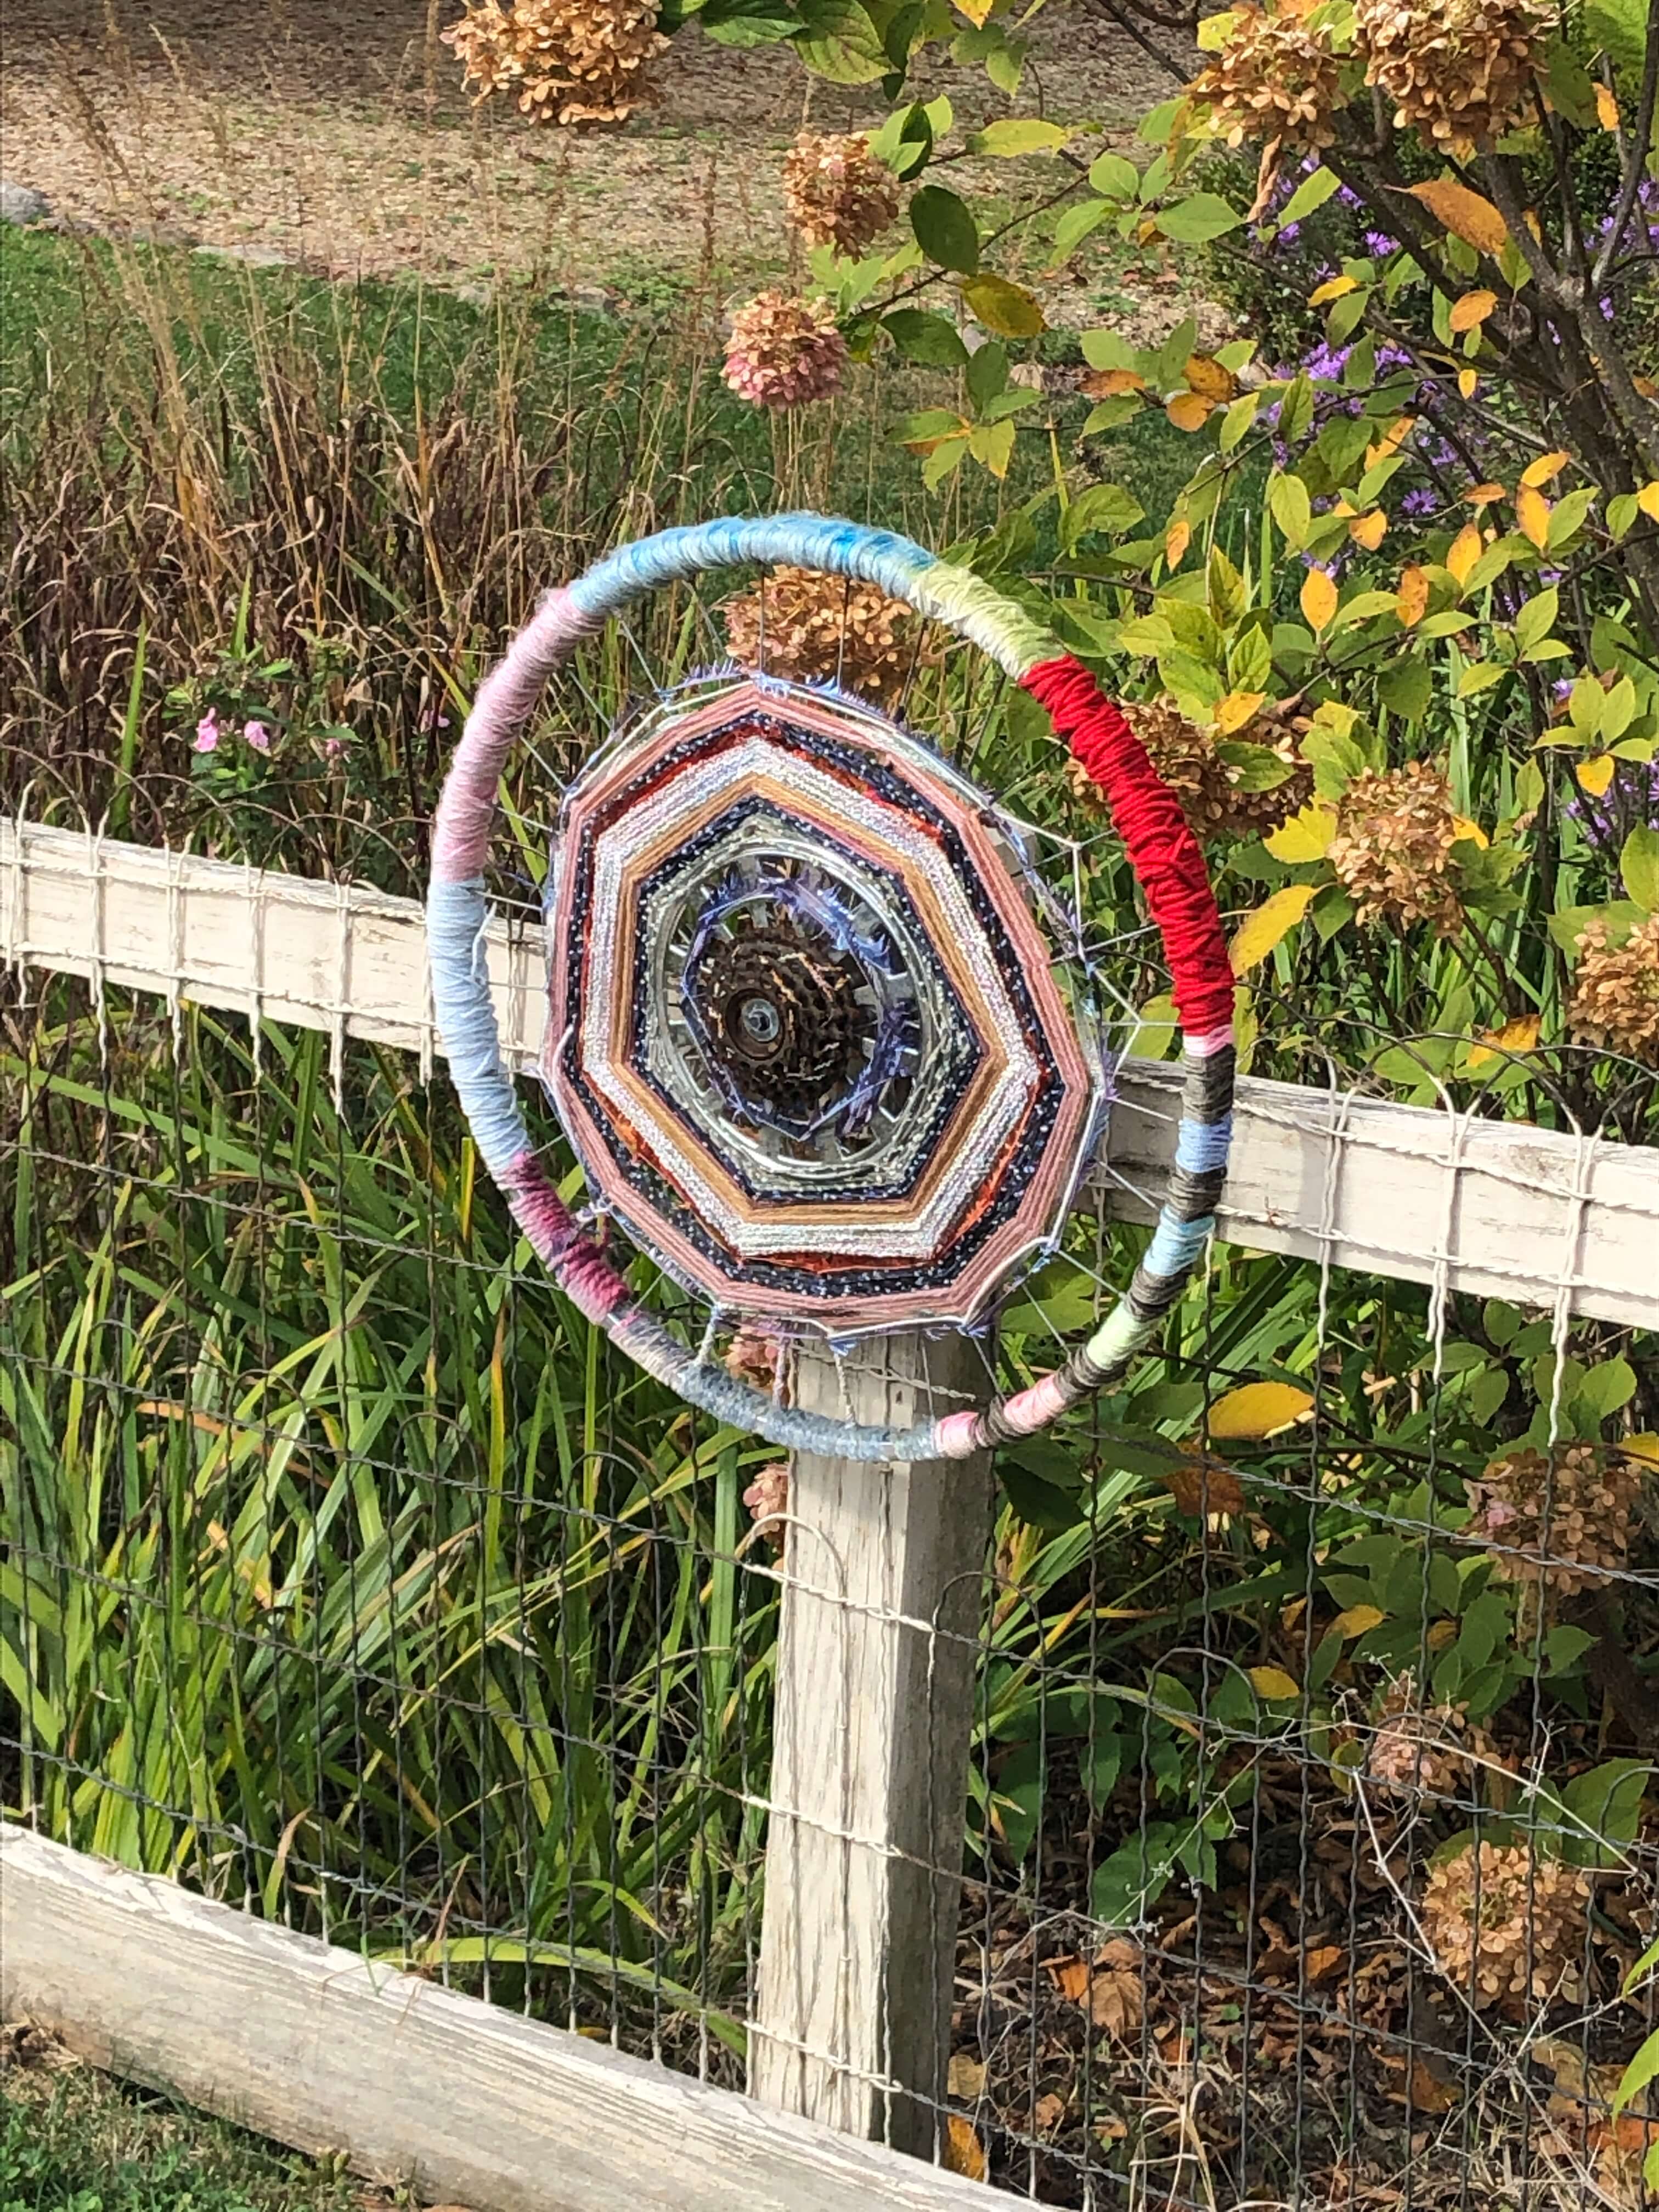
{"x":811,"y":1035}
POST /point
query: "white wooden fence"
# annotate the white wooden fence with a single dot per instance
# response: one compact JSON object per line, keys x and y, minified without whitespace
{"x":873,"y":1701}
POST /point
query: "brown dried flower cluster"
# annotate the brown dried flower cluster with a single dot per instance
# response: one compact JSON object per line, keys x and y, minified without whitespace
{"x":1392,"y":852}
{"x":768,"y":1500}
{"x":1273,"y":80}
{"x":784,"y":351}
{"x":1427,"y":1748}
{"x":1507,"y":1928}
{"x":1584,"y":1536}
{"x":817,"y":629}
{"x":1459,"y":70}
{"x":836,"y":193}
{"x":1615,"y":994}
{"x":1216,"y":792}
{"x":567,"y":61}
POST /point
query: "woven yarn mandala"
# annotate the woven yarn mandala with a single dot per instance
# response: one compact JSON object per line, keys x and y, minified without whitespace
{"x":806,"y":1034}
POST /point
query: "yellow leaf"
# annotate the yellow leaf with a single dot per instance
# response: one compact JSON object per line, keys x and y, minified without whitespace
{"x":1647,"y":499}
{"x":976,"y":11}
{"x":1468,"y":382}
{"x":1464,"y":551}
{"x":1318,"y":599}
{"x":1259,"y":932}
{"x":1484,"y":494}
{"x":1544,"y":469}
{"x":1607,"y":108}
{"x":1176,"y":538}
{"x":963,"y":2152}
{"x":1464,"y":213}
{"x":1258,"y":1409}
{"x":1109,"y":383}
{"x":1519,"y":1036}
{"x":1645,"y":1448}
{"x":1333,"y":287}
{"x":1595,"y":775}
{"x":1358,"y":1619}
{"x":1391,"y":440}
{"x":1006,"y":308}
{"x":1413,"y":596}
{"x":1273,"y":1683}
{"x":1472,"y":310}
{"x":1369,"y":530}
{"x":1469,"y":831}
{"x":1237,"y":709}
{"x":1189,"y":410}
{"x":1306,"y":836}
{"x":1206,"y":375}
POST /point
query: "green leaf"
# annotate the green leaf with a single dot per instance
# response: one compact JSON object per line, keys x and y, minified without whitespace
{"x":1641,"y":2070}
{"x":1040,"y":1505}
{"x":1536,"y":619}
{"x":1007,"y":308}
{"x":1193,"y":221}
{"x":1638,"y":866}
{"x":747,"y":23}
{"x":1291,"y":508}
{"x":1116,"y":176}
{"x":1621,"y":28}
{"x":945,"y":229}
{"x":1018,"y":134}
{"x":841,"y":42}
{"x":1604,"y":1807}
{"x":1102,"y":507}
{"x":931,"y":340}
{"x":1405,"y":688}
{"x":1620,"y":917}
{"x":1075,"y":225}
{"x":1312,"y":192}
{"x":1608,"y":1385}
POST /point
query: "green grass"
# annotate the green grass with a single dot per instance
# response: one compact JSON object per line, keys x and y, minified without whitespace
{"x":78,"y":2142}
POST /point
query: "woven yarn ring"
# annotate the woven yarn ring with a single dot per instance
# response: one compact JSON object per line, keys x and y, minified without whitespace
{"x":804,"y":1037}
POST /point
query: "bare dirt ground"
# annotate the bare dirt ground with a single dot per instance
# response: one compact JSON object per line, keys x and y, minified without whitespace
{"x":340,"y":136}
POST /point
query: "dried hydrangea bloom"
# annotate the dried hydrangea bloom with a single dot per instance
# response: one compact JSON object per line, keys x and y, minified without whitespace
{"x":1215,"y":792}
{"x":1615,"y":992}
{"x":1273,"y":80}
{"x":824,"y":629}
{"x":755,"y":1356}
{"x":784,"y":351}
{"x":1392,"y":852}
{"x":836,"y":193}
{"x":567,"y":61}
{"x":767,"y":1498}
{"x":1460,"y":72}
{"x":1507,"y":1928}
{"x":1570,"y":1529}
{"x":1430,"y":1749}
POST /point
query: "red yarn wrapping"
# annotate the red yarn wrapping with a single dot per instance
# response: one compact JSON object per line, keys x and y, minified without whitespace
{"x":1162,"y":848}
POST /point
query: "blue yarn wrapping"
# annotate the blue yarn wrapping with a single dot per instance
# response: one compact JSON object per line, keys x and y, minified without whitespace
{"x":802,"y":541}
{"x":455,"y":918}
{"x":1202,"y":1145}
{"x":1176,"y":1244}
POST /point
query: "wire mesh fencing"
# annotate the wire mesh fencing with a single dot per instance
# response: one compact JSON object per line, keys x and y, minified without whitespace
{"x":1305,"y":1849}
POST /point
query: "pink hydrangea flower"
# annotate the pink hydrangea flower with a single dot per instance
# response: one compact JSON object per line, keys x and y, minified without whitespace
{"x":207,"y":734}
{"x":257,"y":736}
{"x":784,"y":351}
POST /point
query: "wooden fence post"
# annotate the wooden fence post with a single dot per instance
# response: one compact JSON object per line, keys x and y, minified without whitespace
{"x":874,"y":1712}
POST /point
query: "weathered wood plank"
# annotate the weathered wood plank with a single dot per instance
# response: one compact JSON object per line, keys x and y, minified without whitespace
{"x":871,"y":1728}
{"x":325,"y":2051}
{"x":1528,"y":1214}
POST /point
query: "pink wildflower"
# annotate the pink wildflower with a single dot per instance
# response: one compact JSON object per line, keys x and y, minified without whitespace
{"x":207,"y":734}
{"x":257,"y":736}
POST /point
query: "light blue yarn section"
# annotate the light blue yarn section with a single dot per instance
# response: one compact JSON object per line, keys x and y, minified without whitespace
{"x":455,"y":919}
{"x":1202,"y":1145}
{"x":804,"y":541}
{"x":1176,"y":1244}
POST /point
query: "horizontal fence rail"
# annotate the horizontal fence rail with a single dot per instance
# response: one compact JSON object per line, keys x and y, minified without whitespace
{"x":1569,"y":1222}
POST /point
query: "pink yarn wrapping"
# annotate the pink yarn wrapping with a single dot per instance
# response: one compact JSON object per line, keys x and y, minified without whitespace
{"x":1033,"y":1409}
{"x":575,"y":1262}
{"x":1213,"y":1040}
{"x":957,"y":1436}
{"x":506,"y":699}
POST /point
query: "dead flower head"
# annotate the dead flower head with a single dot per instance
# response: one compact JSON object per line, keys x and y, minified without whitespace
{"x":1221,"y":794}
{"x":818,"y":629}
{"x":1615,"y":993}
{"x":1506,"y":1927}
{"x":836,"y":193}
{"x":1392,"y":852}
{"x":1570,"y":1529}
{"x":1458,"y":71}
{"x":784,"y":351}
{"x":566,"y":61}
